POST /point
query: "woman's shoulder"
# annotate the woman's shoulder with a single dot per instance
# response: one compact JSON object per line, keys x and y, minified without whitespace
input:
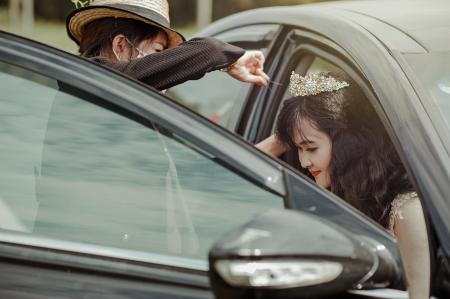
{"x":402,"y":204}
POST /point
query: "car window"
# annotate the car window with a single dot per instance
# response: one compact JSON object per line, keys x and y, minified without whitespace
{"x":321,"y":65}
{"x":78,"y":170}
{"x":433,"y":71}
{"x":217,"y":96}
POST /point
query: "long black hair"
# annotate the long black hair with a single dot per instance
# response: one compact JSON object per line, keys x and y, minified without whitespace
{"x":365,"y":168}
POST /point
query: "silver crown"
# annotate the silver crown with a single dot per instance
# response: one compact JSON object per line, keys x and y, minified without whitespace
{"x":313,"y":83}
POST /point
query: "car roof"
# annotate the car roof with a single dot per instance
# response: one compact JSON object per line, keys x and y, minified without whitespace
{"x":409,"y":26}
{"x":427,"y":22}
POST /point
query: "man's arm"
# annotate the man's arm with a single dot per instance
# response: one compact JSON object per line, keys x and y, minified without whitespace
{"x":188,"y":61}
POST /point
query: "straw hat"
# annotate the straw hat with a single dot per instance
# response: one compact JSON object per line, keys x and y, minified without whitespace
{"x":153,"y":12}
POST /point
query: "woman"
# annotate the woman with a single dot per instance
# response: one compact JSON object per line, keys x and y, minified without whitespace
{"x":344,"y":147}
{"x":135,"y":38}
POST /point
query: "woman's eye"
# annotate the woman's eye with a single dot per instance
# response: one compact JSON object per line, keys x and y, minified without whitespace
{"x":312,"y":149}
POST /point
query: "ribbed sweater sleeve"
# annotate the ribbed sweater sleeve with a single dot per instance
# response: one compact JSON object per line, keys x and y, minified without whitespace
{"x":188,"y":61}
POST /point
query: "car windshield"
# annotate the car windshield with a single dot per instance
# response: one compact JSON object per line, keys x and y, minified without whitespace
{"x":433,"y":72}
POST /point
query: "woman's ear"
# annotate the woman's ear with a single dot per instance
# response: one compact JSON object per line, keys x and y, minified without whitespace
{"x":121,"y":48}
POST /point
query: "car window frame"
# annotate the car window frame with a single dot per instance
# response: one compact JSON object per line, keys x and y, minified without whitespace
{"x":246,"y":38}
{"x":256,"y":98}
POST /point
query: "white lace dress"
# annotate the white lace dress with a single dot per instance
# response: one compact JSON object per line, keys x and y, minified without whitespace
{"x":395,"y":213}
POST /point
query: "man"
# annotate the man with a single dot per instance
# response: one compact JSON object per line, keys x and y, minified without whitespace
{"x":134,"y":37}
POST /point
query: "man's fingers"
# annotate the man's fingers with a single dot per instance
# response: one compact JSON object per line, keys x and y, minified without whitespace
{"x":255,"y":58}
{"x":259,"y":80}
{"x":258,"y":77}
{"x":261,"y":73}
{"x":259,"y":61}
{"x":259,"y":56}
{"x":249,"y":68}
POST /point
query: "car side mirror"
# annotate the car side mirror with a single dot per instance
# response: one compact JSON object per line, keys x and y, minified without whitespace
{"x":291,"y":254}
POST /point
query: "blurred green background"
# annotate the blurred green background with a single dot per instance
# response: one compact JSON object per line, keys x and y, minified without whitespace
{"x":43,"y":20}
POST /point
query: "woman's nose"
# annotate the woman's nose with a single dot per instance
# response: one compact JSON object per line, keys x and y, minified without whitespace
{"x":305,"y":162}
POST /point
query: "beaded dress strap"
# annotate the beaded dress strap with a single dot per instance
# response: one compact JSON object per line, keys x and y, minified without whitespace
{"x":396,"y":205}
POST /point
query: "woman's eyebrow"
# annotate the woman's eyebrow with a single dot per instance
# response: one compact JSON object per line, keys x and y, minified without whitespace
{"x":306,"y":142}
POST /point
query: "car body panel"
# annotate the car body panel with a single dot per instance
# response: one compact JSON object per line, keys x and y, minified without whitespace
{"x":38,"y":280}
{"x":426,"y":22}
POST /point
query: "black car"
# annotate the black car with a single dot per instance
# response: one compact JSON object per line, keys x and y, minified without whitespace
{"x":110,"y":189}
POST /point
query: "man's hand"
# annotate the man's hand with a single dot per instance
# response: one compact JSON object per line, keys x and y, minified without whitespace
{"x":249,"y":68}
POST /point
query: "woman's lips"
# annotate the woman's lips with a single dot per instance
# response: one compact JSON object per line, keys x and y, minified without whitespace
{"x":315,"y":173}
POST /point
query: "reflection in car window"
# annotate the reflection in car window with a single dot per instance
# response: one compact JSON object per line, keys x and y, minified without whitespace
{"x":217,"y":96}
{"x":433,"y":70}
{"x":321,"y":65}
{"x":72,"y":170}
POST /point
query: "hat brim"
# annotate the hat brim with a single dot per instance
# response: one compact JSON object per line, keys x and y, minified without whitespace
{"x":78,"y":20}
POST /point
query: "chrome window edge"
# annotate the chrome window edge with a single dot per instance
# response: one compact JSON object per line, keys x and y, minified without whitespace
{"x":98,"y":251}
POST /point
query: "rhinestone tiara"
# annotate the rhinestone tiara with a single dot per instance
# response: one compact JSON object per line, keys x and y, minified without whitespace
{"x":313,"y":83}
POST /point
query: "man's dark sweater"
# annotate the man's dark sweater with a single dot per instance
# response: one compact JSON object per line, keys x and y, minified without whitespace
{"x":190,"y":60}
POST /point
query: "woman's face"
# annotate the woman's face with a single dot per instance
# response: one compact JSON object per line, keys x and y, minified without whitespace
{"x":314,"y":152}
{"x":156,"y":44}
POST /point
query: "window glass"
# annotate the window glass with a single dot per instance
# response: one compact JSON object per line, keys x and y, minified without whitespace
{"x":218,"y":96}
{"x":73,"y":170}
{"x":433,"y":72}
{"x":321,"y":65}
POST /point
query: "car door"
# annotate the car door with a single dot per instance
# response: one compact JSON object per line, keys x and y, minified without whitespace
{"x":110,"y":189}
{"x":103,"y":193}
